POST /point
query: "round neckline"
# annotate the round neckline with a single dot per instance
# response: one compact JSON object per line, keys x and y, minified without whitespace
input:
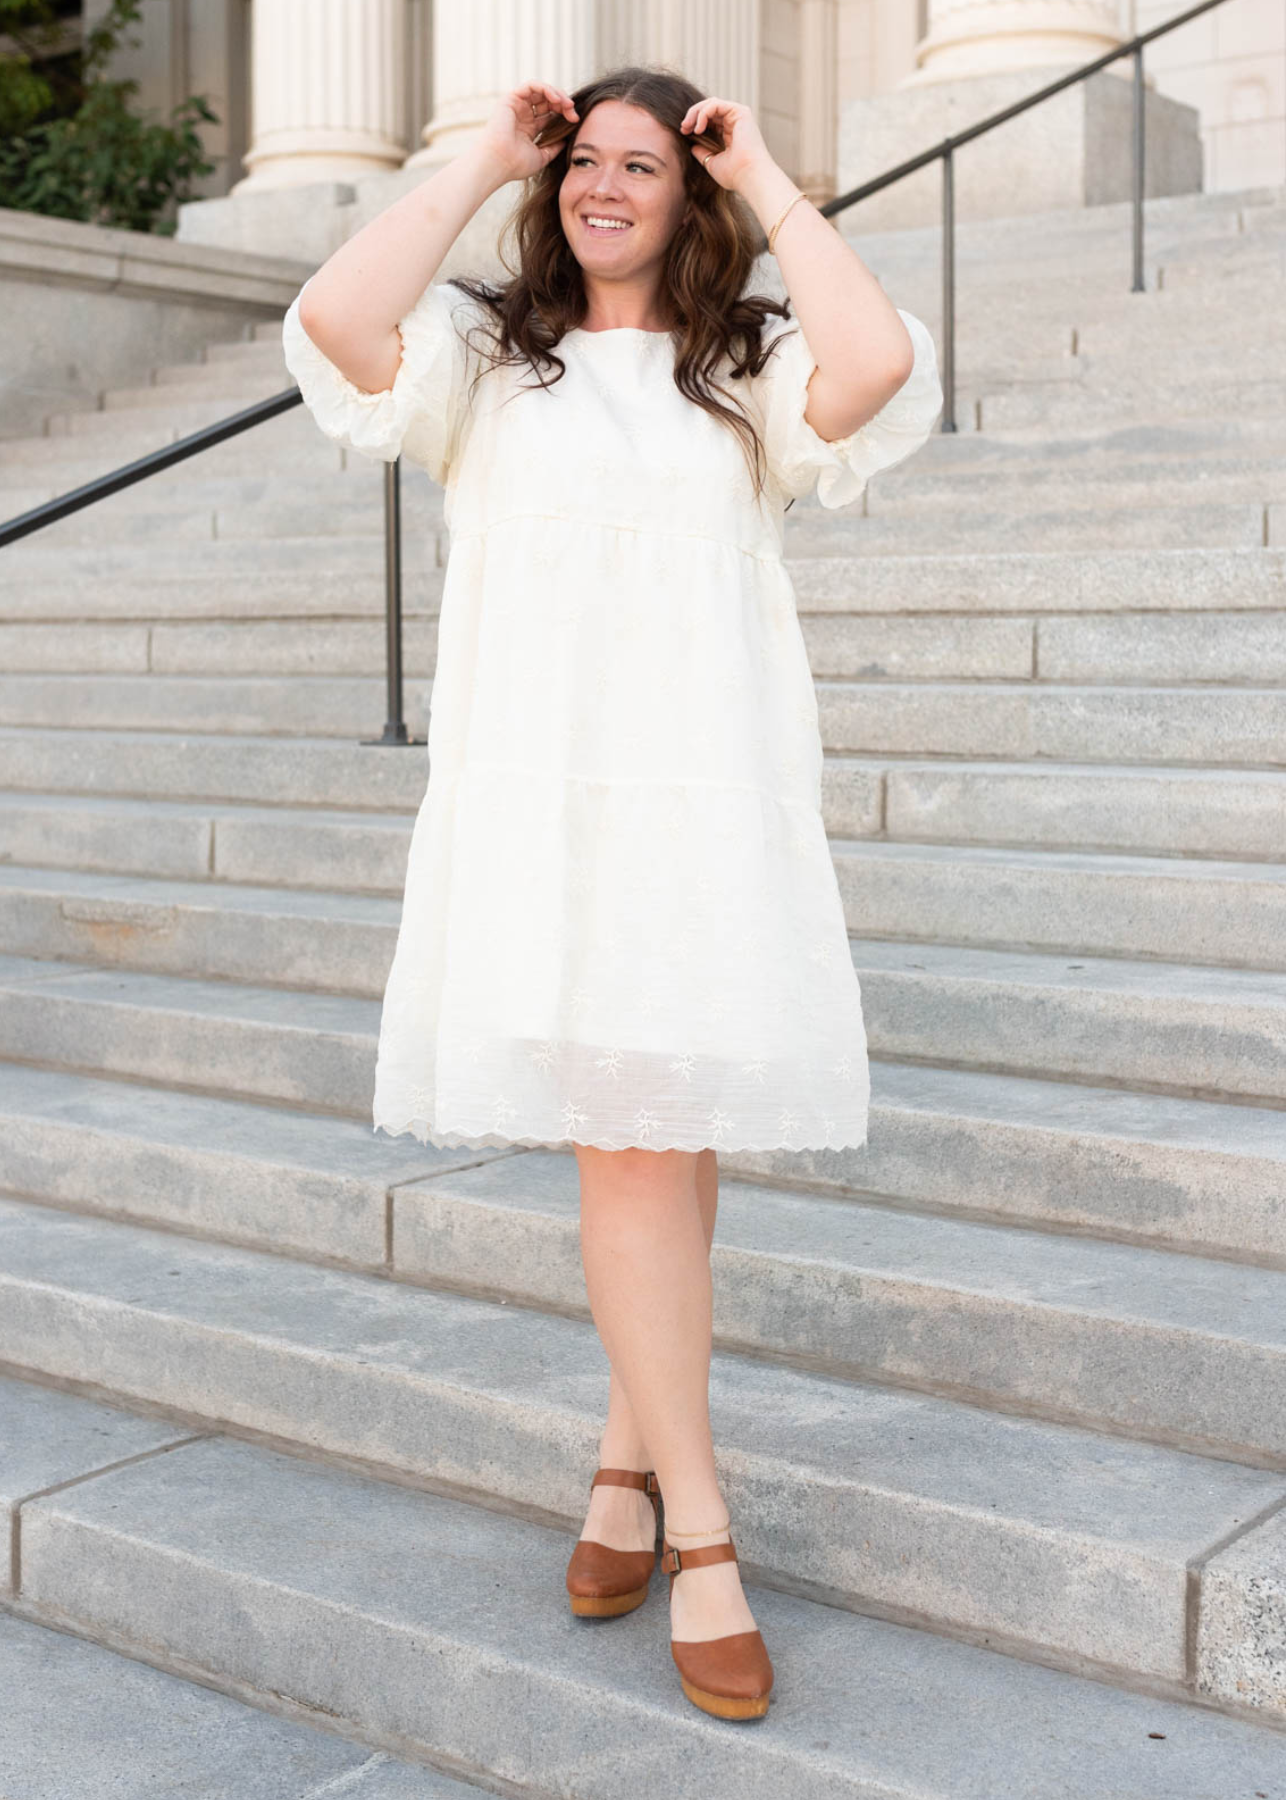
{"x":614,"y":330}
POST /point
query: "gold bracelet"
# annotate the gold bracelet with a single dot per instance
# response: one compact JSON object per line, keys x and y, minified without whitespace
{"x":772,"y":235}
{"x":726,"y":1526}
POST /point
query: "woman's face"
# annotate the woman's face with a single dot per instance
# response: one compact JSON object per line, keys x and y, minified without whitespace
{"x":623,"y":165}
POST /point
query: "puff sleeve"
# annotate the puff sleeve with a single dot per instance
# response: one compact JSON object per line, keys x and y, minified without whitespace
{"x":798,"y":458}
{"x":424,"y":416}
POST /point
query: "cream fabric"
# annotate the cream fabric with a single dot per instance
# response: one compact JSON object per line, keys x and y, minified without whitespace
{"x":621,"y":922}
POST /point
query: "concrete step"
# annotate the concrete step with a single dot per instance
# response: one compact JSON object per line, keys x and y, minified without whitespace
{"x":1189,"y":726}
{"x":1058,"y":582}
{"x":234,"y":386}
{"x":279,"y":706}
{"x":207,"y":1555}
{"x":270,"y":1170}
{"x":952,"y":530}
{"x":172,"y":421}
{"x":1200,"y":909}
{"x":330,"y":517}
{"x":1142,"y":647}
{"x":1152,"y":485}
{"x":1098,"y":581}
{"x":1154,"y":520}
{"x":160,"y":564}
{"x":285,"y":592}
{"x":1102,"y":651}
{"x":319,"y":645}
{"x":295,"y":847}
{"x":1103,"y":807}
{"x":442,"y":1386}
{"x":1174,"y":909}
{"x":1192,"y":726}
{"x":1139,"y":648}
{"x":1048,"y":410}
{"x":289,"y":444}
{"x":1203,"y":1032}
{"x":1055,"y":805}
{"x":84,"y":1720}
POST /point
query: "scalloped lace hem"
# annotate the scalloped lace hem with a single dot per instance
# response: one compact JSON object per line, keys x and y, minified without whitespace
{"x":421,"y":1130}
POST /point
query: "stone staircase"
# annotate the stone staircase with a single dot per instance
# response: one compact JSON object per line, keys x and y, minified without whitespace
{"x":305,"y":1417}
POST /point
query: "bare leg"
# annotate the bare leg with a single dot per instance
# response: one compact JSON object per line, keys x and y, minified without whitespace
{"x":646,"y":1254}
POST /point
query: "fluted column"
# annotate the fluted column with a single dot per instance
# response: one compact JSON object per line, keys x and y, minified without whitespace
{"x":818,"y":56}
{"x":985,"y":37}
{"x":328,"y":91}
{"x":483,"y":49}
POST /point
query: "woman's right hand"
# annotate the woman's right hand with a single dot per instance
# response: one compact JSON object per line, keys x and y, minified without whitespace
{"x":508,"y":138}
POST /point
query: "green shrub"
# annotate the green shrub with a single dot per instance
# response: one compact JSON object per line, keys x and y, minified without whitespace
{"x":85,"y":153}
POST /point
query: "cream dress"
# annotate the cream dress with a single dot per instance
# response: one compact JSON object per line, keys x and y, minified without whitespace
{"x":621,"y":922}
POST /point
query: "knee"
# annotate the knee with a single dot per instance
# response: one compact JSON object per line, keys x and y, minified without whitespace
{"x":636,"y":1169}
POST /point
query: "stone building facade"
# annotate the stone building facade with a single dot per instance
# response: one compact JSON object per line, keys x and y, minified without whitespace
{"x":321,"y":90}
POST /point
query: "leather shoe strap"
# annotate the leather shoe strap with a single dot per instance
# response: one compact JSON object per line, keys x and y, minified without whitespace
{"x":673,"y":1561}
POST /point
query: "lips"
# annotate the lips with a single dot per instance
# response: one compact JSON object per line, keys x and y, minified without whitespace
{"x":615,"y":230}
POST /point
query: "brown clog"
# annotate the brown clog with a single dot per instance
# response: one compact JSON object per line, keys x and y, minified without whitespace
{"x":604,"y":1582}
{"x":728,"y":1676}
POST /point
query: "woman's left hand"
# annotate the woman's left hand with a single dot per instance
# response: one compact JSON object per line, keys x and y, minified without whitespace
{"x":743,"y":148}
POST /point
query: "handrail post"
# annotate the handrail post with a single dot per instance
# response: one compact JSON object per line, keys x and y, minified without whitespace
{"x":1137,"y":287}
{"x":948,"y":292}
{"x":395,"y":731}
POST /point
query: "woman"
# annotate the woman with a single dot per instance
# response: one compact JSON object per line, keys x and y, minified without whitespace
{"x":621,"y":927}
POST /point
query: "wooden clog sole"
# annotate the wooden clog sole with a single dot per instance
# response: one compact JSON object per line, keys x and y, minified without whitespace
{"x":722,"y":1706}
{"x":608,"y":1606}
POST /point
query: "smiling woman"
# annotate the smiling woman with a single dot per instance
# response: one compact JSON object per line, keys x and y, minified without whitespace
{"x":622,"y":930}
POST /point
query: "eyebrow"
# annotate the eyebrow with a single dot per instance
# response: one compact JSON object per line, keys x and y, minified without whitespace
{"x":582,"y":145}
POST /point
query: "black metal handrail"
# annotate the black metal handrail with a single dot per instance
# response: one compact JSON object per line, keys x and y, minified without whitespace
{"x":395,"y":731}
{"x":945,"y":149}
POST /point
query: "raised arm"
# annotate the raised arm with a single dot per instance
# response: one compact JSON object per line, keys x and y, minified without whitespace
{"x":863,"y":350}
{"x":351,"y":306}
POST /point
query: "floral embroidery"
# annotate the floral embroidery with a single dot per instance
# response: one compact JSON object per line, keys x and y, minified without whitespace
{"x":684,"y":1064}
{"x":645,"y":1123}
{"x":573,"y":1117}
{"x":611,"y":1061}
{"x":720,"y":1124}
{"x":755,"y":1068}
{"x":543,"y":1055}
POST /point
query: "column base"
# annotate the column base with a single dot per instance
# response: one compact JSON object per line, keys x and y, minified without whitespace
{"x":1073,"y":149}
{"x":308,"y":222}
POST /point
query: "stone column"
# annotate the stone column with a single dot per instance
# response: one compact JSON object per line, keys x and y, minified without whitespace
{"x":482,"y":50}
{"x":987,"y":37}
{"x":818,"y":56}
{"x":328,"y":88}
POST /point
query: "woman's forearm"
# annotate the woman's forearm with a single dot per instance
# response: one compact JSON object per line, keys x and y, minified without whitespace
{"x":864,"y":351}
{"x":352,"y":304}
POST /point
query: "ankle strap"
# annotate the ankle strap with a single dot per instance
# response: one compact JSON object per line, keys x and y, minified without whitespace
{"x":646,"y":1481}
{"x":673,"y":1560}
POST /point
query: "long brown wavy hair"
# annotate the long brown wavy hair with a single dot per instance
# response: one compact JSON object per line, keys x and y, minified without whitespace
{"x":708,"y":263}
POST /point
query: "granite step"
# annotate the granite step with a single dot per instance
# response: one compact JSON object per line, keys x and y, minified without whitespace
{"x":1137,"y":808}
{"x":1145,"y":648}
{"x":1206,"y":725}
{"x":87,"y":1721}
{"x":126,"y":1133}
{"x":206,"y":1555}
{"x":1073,"y":1542}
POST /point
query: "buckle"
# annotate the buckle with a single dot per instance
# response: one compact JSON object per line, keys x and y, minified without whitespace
{"x":671,"y":1562}
{"x":650,"y":1483}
